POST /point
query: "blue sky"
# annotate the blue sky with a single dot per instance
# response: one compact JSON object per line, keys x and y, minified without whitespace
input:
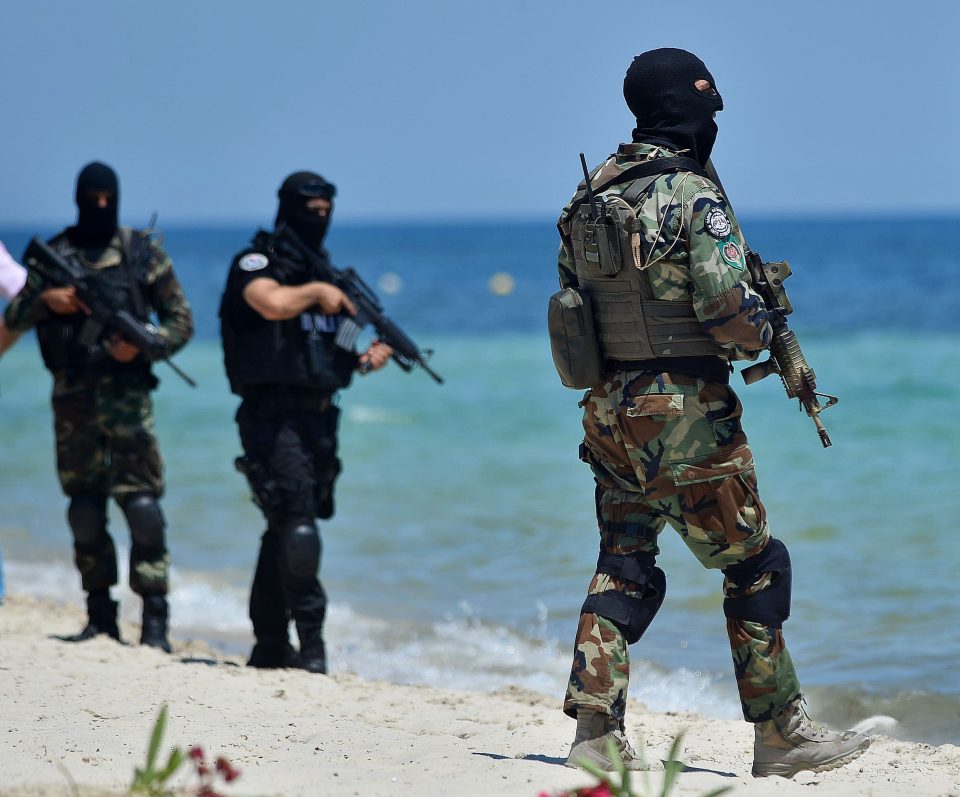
{"x":452,"y":109}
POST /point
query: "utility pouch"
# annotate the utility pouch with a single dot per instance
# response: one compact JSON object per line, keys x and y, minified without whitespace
{"x":573,"y":339}
{"x":624,"y":229}
{"x":316,"y":354}
{"x":601,"y":242}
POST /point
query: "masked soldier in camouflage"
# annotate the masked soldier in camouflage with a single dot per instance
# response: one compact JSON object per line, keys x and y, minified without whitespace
{"x":672,"y":307}
{"x":103,"y":414}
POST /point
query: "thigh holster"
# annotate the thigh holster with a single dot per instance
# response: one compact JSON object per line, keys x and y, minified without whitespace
{"x":266,"y":491}
{"x":769,"y":604}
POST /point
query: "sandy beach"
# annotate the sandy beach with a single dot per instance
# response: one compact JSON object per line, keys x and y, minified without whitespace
{"x":84,"y":712}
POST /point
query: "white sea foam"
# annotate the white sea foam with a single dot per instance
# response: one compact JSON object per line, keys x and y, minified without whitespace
{"x":877,"y":724}
{"x":360,"y":413}
{"x":458,"y":652}
{"x":463,"y":653}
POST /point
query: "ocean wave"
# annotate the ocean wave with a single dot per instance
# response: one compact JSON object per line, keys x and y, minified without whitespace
{"x":464,"y":652}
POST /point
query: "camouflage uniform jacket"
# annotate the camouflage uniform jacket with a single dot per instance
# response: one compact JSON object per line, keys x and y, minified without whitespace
{"x":693,"y":251}
{"x":163,"y":293}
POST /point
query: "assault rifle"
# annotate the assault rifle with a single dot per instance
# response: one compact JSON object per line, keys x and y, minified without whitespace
{"x":786,"y":358}
{"x":406,"y":353}
{"x":107,"y":310}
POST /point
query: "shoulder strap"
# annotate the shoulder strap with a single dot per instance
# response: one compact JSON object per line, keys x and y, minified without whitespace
{"x":650,"y":168}
{"x":131,"y":255}
{"x":639,"y":187}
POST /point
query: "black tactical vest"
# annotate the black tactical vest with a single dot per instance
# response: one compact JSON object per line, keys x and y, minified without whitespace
{"x":297,"y":353}
{"x":60,"y":335}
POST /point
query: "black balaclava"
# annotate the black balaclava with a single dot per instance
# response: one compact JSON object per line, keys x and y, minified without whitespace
{"x":670,"y":111}
{"x":298,"y":189}
{"x":95,"y":225}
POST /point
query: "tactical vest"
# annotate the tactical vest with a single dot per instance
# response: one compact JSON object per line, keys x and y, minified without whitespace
{"x":59,"y":335}
{"x":608,"y":254}
{"x":299,"y":353}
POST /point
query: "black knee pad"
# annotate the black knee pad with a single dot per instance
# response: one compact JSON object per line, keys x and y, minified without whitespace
{"x":638,"y":568}
{"x":631,"y":615}
{"x":87,"y":516}
{"x":301,"y":552}
{"x":769,"y":606}
{"x":145,"y":520}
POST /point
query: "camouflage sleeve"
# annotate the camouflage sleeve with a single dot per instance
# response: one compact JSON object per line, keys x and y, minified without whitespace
{"x":731,"y":312}
{"x":26,"y":308}
{"x":167,"y":298}
{"x":565,"y":266}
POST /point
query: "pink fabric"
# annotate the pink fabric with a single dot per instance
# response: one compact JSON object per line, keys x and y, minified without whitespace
{"x":12,"y":274}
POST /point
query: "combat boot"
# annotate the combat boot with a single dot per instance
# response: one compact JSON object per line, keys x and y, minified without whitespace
{"x":153,"y":630}
{"x":792,"y":742}
{"x":595,"y":731}
{"x":313,"y":654}
{"x":101,"y":618}
{"x":270,"y":654}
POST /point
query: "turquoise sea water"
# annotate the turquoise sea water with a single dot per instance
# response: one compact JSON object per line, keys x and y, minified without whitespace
{"x":465,"y":535}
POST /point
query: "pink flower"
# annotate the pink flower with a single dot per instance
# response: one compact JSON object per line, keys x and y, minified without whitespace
{"x":600,"y":790}
{"x":196,"y":753}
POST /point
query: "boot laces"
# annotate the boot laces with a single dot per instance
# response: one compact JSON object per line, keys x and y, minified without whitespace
{"x":811,"y":726}
{"x":623,"y":745}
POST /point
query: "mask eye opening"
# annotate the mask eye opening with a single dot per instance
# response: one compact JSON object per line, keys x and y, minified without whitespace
{"x":705,"y":87}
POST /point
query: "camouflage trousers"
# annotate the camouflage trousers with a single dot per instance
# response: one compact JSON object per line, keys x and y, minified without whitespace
{"x":669,"y":449}
{"x":106,"y":446}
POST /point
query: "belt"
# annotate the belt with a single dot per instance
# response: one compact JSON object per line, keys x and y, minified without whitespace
{"x":708,"y":366}
{"x":286,"y":399}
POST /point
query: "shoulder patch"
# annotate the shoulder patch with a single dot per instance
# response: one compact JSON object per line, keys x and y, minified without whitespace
{"x":732,"y":254}
{"x":717,"y":223}
{"x":253,"y":262}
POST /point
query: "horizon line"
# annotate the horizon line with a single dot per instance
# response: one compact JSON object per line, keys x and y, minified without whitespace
{"x":180,"y":222}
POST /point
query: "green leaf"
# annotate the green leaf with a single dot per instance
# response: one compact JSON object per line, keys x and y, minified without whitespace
{"x":614,"y":755}
{"x":139,"y":780}
{"x":672,"y":767}
{"x":173,"y":764}
{"x":156,"y":738}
